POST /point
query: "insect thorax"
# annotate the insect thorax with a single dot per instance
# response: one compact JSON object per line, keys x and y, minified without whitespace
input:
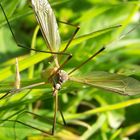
{"x":58,"y":78}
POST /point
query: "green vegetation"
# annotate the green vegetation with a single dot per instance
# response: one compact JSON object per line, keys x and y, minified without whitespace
{"x":90,"y":113}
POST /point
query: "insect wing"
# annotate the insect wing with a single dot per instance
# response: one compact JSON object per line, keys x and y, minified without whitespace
{"x":47,"y":21}
{"x":112,"y":82}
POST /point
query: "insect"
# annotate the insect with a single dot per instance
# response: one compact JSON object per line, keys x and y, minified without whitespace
{"x":57,"y":76}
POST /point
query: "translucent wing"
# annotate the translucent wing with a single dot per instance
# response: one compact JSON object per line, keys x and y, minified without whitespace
{"x":47,"y":21}
{"x":112,"y":82}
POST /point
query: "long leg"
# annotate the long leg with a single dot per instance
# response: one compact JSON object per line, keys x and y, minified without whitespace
{"x":59,"y":53}
{"x":70,"y":40}
{"x":23,"y":46}
{"x":68,"y":58}
{"x":44,"y":118}
{"x":33,"y":127}
{"x":73,"y":35}
{"x":11,"y":92}
{"x":55,"y":93}
{"x":57,"y":106}
{"x":87,"y":60}
{"x":6,"y":94}
{"x":61,"y":113}
{"x":36,"y":128}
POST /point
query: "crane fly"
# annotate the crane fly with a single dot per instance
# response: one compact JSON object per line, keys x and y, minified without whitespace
{"x":57,"y":76}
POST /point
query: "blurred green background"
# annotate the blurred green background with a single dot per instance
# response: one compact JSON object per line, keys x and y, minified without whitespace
{"x":111,"y":118}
